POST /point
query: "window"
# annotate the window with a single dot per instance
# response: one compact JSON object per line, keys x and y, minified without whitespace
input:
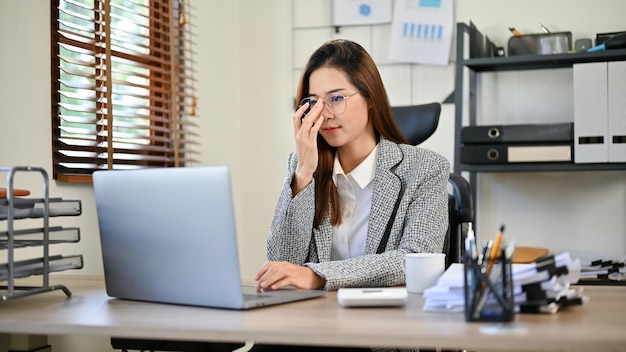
{"x":122,"y":86}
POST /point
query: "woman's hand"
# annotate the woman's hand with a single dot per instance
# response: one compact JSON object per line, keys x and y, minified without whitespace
{"x":276,"y":275}
{"x":305,"y":132}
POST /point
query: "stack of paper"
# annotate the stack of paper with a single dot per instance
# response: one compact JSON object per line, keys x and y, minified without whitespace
{"x":603,"y":269}
{"x":539,"y":287}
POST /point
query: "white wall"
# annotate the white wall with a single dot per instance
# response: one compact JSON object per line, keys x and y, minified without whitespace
{"x":246,"y":71}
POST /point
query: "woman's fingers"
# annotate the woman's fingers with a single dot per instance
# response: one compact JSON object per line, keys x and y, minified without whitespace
{"x":306,"y":143}
{"x":297,"y":118}
{"x":310,"y":120}
{"x":276,"y":275}
{"x":270,"y":274}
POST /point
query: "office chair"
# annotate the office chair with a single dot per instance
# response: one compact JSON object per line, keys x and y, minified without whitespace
{"x":417,"y":123}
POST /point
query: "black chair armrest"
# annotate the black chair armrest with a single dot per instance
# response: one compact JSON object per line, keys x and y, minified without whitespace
{"x":464,"y":204}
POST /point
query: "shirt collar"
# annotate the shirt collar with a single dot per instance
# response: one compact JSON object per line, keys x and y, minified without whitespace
{"x":362,"y":174}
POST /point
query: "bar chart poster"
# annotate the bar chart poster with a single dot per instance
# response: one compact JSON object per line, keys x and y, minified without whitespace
{"x":421,"y":31}
{"x":361,"y":12}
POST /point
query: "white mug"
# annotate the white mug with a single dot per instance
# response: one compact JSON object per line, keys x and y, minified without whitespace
{"x":422,"y":270}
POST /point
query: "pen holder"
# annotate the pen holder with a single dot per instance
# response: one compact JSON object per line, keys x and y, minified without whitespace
{"x":488,"y":289}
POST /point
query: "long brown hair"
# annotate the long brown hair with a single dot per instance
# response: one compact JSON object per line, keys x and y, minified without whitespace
{"x":362,"y":72}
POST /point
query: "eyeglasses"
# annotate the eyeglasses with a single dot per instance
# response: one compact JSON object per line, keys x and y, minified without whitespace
{"x":336,"y":103}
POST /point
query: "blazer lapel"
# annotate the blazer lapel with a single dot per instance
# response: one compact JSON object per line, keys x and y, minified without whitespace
{"x":323,"y":239}
{"x":386,"y":191}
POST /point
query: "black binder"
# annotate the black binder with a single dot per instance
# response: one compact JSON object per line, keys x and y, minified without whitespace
{"x":515,"y":153}
{"x":525,"y":133}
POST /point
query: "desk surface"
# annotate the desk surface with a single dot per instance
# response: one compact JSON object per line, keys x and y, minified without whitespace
{"x":596,"y":326}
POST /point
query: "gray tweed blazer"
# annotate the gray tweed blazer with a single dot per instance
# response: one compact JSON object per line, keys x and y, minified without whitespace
{"x":409,"y":178}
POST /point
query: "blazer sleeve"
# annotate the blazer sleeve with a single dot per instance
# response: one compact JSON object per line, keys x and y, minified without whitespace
{"x":291,"y":230}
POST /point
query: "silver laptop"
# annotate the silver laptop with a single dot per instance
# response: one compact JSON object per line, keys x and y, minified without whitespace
{"x":168,"y":235}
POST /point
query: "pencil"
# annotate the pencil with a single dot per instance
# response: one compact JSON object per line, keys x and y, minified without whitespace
{"x":514,"y":31}
{"x":495,"y":249}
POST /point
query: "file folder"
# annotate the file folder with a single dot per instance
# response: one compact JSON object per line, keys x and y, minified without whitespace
{"x":505,"y":153}
{"x":591,"y":112}
{"x":519,"y":133}
{"x":617,"y":111}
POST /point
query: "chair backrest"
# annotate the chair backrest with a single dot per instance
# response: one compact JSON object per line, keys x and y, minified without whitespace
{"x":417,"y":123}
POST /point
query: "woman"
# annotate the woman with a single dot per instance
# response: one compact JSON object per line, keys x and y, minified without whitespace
{"x":355,"y":198}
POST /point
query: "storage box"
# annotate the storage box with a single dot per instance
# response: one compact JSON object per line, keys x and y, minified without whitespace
{"x":545,"y":43}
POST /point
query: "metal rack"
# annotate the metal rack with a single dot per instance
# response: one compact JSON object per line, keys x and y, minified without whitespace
{"x":15,"y":208}
{"x":467,"y":92}
{"x":478,"y":65}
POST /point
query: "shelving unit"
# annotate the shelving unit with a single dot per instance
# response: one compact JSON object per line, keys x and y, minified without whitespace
{"x":13,"y":209}
{"x":479,"y":65}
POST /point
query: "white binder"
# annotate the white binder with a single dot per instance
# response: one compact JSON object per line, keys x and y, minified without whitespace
{"x":591,"y":112}
{"x":617,"y":111}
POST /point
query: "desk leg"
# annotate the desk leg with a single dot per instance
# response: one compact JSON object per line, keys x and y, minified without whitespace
{"x":24,"y":343}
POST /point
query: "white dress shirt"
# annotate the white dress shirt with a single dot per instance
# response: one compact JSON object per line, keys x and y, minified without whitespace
{"x":355,"y":191}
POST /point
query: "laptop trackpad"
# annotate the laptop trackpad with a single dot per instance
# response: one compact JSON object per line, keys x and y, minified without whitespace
{"x":283,"y":295}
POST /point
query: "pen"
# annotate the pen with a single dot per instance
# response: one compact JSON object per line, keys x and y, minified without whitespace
{"x":514,"y":31}
{"x":490,"y":281}
{"x":482,"y":256}
{"x":483,"y":261}
{"x":486,"y":255}
{"x":495,"y":248}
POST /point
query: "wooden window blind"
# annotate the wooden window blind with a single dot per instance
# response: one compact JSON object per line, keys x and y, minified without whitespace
{"x":123,"y":86}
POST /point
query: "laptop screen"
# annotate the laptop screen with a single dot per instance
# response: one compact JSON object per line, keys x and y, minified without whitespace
{"x":168,"y":235}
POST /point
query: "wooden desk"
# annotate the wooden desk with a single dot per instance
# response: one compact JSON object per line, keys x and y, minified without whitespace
{"x":596,"y":326}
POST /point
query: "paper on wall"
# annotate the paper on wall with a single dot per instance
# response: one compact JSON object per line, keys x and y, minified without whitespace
{"x":421,"y":31}
{"x":361,"y":12}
